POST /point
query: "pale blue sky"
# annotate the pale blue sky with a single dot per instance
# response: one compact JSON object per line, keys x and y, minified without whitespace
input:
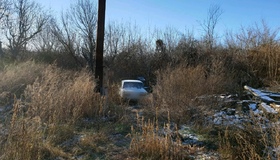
{"x":185,"y":14}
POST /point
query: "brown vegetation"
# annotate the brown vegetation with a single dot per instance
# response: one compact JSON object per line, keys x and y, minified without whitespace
{"x":60,"y":115}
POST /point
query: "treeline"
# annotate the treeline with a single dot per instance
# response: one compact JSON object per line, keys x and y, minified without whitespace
{"x":249,"y":57}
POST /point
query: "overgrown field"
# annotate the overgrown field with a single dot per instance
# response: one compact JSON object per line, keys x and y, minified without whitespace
{"x":49,"y":113}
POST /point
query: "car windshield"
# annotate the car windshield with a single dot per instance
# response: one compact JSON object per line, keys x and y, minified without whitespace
{"x":133,"y":85}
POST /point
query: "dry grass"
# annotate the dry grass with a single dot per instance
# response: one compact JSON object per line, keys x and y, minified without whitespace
{"x":15,"y":77}
{"x":63,"y":97}
{"x":112,"y":94}
{"x":24,"y":140}
{"x":241,"y":144}
{"x":177,"y":88}
{"x":60,"y":116}
{"x":147,"y":143}
{"x":45,"y":117}
{"x":95,"y":142}
{"x":250,"y":142}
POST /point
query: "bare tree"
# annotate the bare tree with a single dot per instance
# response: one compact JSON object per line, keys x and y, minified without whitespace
{"x":131,"y":37}
{"x":4,"y":8}
{"x":115,"y":34}
{"x":46,"y":41}
{"x":4,"y":11}
{"x":23,"y":24}
{"x":67,"y":37}
{"x":84,"y":18}
{"x":209,"y":25}
{"x":77,"y":31}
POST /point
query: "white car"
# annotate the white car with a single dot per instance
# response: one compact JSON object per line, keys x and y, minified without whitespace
{"x":132,"y":90}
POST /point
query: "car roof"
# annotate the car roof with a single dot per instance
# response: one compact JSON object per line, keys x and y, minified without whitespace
{"x":131,"y":80}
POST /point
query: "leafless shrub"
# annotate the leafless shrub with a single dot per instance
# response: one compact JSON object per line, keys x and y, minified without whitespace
{"x":177,"y":88}
{"x":258,"y":47}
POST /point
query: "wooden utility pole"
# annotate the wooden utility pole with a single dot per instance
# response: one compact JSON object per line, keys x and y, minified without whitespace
{"x":100,"y":45}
